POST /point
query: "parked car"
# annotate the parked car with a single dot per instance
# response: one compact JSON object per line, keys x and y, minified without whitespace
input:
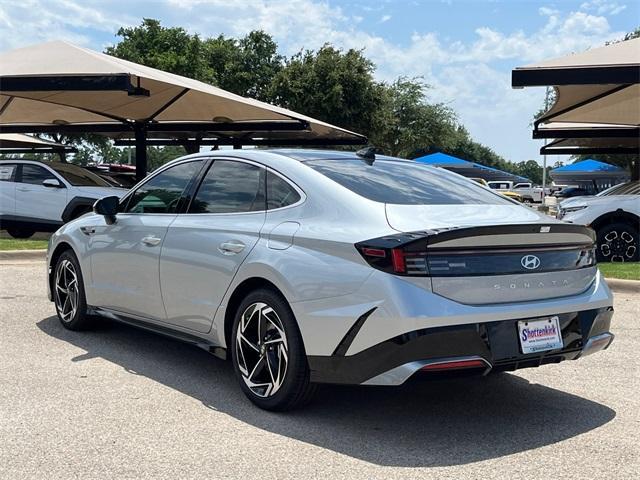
{"x":527,"y":191}
{"x":122,"y":176}
{"x":308,"y":267}
{"x":615,"y":216}
{"x":569,"y":192}
{"x":41,"y":196}
{"x":507,"y":193}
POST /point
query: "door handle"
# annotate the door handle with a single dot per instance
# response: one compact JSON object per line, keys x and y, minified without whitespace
{"x":151,"y":240}
{"x":23,"y":189}
{"x":231,"y":247}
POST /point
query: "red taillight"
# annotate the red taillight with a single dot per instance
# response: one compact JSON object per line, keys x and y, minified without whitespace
{"x":397,"y":260}
{"x":454,"y":365}
{"x":374,"y":252}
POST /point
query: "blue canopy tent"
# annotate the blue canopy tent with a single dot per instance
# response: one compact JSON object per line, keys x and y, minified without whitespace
{"x":467,"y":168}
{"x":590,"y":172}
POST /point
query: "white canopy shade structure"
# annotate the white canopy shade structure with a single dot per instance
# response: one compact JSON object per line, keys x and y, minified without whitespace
{"x":19,"y":143}
{"x":601,"y":85}
{"x":577,"y":138}
{"x":597,"y":96}
{"x":62,"y":88}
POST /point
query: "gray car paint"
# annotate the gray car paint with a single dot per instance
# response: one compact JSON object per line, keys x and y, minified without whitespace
{"x":325,"y":280}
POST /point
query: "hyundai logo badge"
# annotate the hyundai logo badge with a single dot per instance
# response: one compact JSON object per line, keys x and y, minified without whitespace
{"x":530,"y":262}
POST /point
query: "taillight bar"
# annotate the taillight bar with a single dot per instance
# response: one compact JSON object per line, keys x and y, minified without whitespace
{"x":413,"y":254}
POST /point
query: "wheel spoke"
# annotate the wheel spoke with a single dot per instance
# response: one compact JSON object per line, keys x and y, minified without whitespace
{"x":611,"y":236}
{"x":259,"y":363}
{"x":270,"y":369}
{"x":245,"y":340}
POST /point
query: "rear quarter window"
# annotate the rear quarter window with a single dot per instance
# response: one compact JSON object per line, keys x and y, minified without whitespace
{"x":7,"y":172}
{"x":406,"y":183}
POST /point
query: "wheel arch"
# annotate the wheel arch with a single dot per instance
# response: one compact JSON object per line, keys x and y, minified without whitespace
{"x":75,"y":205}
{"x":239,"y":293}
{"x":55,"y":255}
{"x":618,"y":215}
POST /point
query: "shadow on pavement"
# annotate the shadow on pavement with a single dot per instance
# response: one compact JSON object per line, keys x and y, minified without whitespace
{"x":432,"y":423}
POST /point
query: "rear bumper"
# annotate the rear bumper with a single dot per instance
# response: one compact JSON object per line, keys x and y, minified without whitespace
{"x":493,"y":346}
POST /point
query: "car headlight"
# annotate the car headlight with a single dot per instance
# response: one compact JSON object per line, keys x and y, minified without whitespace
{"x":562,"y":211}
{"x":573,"y":209}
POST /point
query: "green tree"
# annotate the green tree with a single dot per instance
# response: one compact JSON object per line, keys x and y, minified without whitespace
{"x":171,"y":49}
{"x":246,"y":67}
{"x":330,"y":85}
{"x":406,"y":122}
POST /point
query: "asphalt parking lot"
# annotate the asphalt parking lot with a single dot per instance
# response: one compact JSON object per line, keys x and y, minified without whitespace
{"x":122,"y":403}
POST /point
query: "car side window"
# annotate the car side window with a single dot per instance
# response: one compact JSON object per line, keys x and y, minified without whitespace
{"x":162,"y":193}
{"x":8,"y":172}
{"x":279,"y":192}
{"x":230,"y":187}
{"x":35,"y":174}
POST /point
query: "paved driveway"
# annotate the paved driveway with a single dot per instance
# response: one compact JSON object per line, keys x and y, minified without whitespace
{"x":122,"y":403}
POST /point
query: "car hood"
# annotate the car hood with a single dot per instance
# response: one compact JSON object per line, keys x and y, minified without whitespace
{"x":409,"y":218}
{"x":99,"y":192}
{"x":595,"y":200}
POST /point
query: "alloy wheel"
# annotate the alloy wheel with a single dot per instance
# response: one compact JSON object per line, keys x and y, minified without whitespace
{"x":618,"y":246}
{"x":66,"y":294}
{"x":262,"y":349}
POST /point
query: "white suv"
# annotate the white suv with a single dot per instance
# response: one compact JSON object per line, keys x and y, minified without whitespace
{"x":615,"y":216}
{"x":38,"y":196}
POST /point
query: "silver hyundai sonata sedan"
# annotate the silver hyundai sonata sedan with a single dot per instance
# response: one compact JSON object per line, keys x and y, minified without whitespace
{"x":306,"y":267}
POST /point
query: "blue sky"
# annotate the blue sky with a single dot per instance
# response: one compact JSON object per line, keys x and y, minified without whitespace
{"x":464,"y":49}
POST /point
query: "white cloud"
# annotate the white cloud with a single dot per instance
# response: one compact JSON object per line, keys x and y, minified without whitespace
{"x":31,"y":21}
{"x":603,"y":7}
{"x":385,"y":18}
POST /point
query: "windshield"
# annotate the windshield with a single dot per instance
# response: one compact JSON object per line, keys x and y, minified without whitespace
{"x":406,"y":183}
{"x":629,"y":188}
{"x":78,"y":176}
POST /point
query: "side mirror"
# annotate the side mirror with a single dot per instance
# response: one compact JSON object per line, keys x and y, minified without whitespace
{"x":107,"y":206}
{"x":52,"y":183}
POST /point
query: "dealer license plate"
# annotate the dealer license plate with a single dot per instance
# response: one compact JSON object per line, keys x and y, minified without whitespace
{"x":540,"y":335}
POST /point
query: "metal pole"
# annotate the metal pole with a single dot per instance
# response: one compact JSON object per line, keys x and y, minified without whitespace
{"x":544,"y":158}
{"x":141,"y":151}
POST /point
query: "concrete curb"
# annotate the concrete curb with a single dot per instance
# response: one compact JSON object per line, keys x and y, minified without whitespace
{"x":623,"y":286}
{"x":23,"y":255}
{"x":617,"y":285}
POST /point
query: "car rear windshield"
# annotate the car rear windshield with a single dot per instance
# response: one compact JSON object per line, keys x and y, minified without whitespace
{"x":631,"y":188}
{"x":79,"y":177}
{"x":406,"y":183}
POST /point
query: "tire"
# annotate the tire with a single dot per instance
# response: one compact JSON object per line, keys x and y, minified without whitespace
{"x":618,"y":242}
{"x":258,"y":355}
{"x":20,"y":232}
{"x":527,"y":200}
{"x":68,"y":293}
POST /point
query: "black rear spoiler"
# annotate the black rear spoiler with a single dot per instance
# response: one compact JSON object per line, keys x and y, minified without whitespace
{"x":439,"y":236}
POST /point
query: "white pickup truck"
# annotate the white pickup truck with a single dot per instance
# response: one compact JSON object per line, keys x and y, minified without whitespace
{"x":526,"y":190}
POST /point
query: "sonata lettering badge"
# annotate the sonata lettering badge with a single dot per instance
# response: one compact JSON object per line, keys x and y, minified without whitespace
{"x":540,"y":335}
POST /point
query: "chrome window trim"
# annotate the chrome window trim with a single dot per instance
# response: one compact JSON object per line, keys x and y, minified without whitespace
{"x":125,"y":199}
{"x":303,"y":195}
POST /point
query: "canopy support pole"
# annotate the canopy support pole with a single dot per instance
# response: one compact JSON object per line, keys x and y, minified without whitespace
{"x":141,"y":151}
